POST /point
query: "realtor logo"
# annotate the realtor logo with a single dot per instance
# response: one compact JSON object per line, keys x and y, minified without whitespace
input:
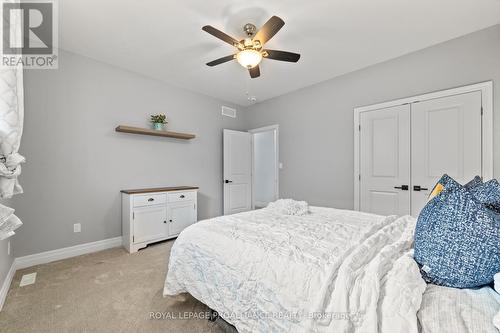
{"x":29,"y":35}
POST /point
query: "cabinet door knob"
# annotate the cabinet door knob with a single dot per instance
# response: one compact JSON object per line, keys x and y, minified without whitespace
{"x":182,"y":196}
{"x":164,"y":221}
{"x":151,"y":199}
{"x":171,"y":221}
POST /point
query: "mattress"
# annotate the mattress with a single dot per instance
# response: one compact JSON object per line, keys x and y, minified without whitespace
{"x":328,"y":270}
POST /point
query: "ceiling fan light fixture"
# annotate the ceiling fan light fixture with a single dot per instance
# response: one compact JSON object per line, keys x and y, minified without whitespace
{"x":250,"y":50}
{"x":249,"y":58}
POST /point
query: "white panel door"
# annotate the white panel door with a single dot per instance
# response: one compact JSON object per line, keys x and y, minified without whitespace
{"x":237,"y":172}
{"x":150,"y":223}
{"x":385,"y":161}
{"x":446,"y":138}
{"x":180,"y":215}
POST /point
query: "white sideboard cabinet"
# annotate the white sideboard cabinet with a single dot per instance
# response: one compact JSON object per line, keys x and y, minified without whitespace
{"x":156,"y":214}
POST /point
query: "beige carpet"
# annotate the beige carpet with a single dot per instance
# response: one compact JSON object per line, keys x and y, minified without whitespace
{"x":108,"y":291}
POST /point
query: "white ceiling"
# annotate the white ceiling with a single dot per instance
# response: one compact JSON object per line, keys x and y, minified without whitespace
{"x":163,"y":38}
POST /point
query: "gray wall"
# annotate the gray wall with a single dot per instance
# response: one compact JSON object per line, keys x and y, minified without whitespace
{"x":77,"y":164}
{"x":5,"y":260}
{"x":316,"y":123}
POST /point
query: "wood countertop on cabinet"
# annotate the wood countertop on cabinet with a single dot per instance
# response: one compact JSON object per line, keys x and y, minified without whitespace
{"x":160,"y":189}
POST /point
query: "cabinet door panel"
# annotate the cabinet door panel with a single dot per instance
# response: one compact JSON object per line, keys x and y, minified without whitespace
{"x":180,"y":215}
{"x":149,"y":223}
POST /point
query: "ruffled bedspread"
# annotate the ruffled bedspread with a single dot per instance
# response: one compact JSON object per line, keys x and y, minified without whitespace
{"x":327,"y":271}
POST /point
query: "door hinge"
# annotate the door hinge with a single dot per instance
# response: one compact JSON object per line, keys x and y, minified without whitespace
{"x":133,"y":239}
{"x":482,"y":111}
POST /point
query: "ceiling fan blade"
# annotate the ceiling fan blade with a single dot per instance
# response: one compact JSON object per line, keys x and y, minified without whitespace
{"x":221,"y":60}
{"x":254,"y":72}
{"x":269,"y":29}
{"x":282,"y":55}
{"x":221,"y":35}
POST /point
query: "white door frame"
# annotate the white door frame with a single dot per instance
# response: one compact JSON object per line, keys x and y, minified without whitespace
{"x":276,"y":129}
{"x":486,"y":89}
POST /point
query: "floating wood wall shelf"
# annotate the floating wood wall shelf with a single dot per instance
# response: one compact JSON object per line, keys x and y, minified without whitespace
{"x":146,"y":131}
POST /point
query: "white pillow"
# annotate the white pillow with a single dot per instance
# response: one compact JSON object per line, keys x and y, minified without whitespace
{"x":289,"y":207}
{"x":496,"y":320}
{"x":497,"y":282}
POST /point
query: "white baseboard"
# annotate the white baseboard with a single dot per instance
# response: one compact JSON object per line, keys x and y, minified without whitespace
{"x":67,"y":252}
{"x":6,"y":284}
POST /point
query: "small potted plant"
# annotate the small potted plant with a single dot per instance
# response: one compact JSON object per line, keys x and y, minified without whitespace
{"x":159,"y":121}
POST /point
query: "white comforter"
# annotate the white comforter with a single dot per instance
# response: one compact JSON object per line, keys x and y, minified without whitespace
{"x":327,"y":271}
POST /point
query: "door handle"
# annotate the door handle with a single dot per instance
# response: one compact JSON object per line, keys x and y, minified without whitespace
{"x":170,"y":220}
{"x":182,"y":196}
{"x":402,"y":187}
{"x":151,"y":199}
{"x":418,"y":188}
{"x":228,"y":181}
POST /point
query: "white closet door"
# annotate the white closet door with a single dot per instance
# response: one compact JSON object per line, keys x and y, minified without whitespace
{"x":446,"y":138}
{"x":385,"y":161}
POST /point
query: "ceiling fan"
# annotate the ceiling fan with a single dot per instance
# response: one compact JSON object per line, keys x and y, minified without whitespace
{"x":251,"y":49}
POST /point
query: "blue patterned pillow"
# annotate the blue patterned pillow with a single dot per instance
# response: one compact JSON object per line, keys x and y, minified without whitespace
{"x":488,"y":194}
{"x":449,"y":182}
{"x":457,"y":239}
{"x":446,"y":182}
{"x":477,"y":181}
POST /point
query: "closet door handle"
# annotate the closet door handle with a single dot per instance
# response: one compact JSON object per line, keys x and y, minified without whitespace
{"x":418,"y":188}
{"x":402,"y":187}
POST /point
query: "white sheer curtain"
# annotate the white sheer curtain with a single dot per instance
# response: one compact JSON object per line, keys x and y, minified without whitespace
{"x":11,"y":129}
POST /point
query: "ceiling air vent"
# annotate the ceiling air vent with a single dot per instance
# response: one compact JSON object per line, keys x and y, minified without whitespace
{"x":228,"y":112}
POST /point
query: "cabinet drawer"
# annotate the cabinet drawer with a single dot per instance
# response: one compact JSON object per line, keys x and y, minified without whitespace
{"x":181,"y":196}
{"x":149,"y":200}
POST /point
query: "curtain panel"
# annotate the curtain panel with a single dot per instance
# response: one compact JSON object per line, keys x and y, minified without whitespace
{"x":11,"y":129}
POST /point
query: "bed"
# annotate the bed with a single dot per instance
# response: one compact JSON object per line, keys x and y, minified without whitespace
{"x":328,"y":270}
{"x":451,"y":310}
